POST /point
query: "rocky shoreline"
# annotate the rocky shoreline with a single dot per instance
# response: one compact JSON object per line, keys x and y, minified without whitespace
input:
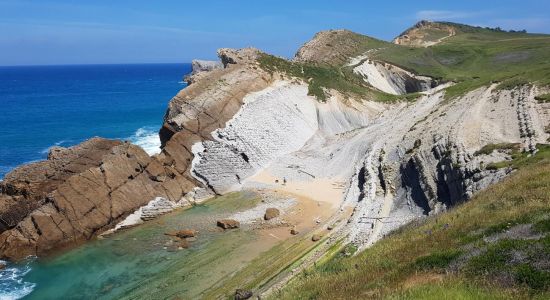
{"x":239,"y":124}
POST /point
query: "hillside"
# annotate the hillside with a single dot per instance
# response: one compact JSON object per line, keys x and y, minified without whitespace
{"x":496,"y":246}
{"x":471,"y":57}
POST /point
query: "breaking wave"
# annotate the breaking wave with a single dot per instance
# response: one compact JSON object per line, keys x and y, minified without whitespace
{"x":12,"y":284}
{"x":148,"y":139}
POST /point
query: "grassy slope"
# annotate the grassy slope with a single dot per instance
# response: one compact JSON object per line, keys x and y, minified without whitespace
{"x":446,"y":256}
{"x":473,"y":57}
{"x":476,"y":57}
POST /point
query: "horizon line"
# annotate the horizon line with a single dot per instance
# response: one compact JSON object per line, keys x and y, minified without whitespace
{"x":93,"y":64}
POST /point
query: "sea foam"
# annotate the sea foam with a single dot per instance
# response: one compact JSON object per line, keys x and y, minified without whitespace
{"x":12,"y":285}
{"x":148,"y":139}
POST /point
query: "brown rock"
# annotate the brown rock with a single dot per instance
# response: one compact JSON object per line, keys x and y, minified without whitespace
{"x":2,"y":266}
{"x":181,"y":244}
{"x":241,"y":294}
{"x":294,"y":231}
{"x":271,"y":213}
{"x":78,"y":193}
{"x":84,"y":190}
{"x":228,"y":224}
{"x":182,"y":234}
{"x":316,"y":237}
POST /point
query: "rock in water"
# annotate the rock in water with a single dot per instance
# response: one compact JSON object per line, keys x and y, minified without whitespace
{"x":241,"y":294}
{"x":228,"y":224}
{"x":182,"y":234}
{"x":271,"y":213}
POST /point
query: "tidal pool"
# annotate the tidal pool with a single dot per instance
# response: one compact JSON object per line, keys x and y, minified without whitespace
{"x":135,"y":264}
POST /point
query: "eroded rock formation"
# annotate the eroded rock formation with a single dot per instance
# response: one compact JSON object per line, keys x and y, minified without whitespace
{"x":394,"y":162}
{"x":79,"y":192}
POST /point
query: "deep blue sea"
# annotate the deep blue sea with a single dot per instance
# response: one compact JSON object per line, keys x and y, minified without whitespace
{"x":43,"y":106}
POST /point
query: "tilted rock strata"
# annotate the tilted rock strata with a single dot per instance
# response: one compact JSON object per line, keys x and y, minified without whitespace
{"x":196,"y":111}
{"x":392,"y":79}
{"x":270,"y":123}
{"x":80,"y":192}
{"x":200,"y":67}
{"x":394,"y":162}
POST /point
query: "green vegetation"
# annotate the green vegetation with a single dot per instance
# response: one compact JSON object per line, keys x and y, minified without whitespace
{"x":449,"y":256}
{"x":436,"y":260}
{"x":477,"y":56}
{"x":324,"y":76}
{"x":474,"y":57}
{"x":520,"y":159}
{"x":489,"y":148}
{"x":545,"y":98}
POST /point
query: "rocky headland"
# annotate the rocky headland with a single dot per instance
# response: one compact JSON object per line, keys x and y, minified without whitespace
{"x":252,"y":120}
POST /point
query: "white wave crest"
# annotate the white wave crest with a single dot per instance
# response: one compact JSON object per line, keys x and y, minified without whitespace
{"x":148,"y":139}
{"x":12,"y":285}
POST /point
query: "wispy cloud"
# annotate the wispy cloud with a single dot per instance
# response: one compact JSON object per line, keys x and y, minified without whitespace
{"x":440,"y":15}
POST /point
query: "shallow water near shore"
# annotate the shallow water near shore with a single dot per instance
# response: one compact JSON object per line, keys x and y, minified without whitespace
{"x":135,"y":264}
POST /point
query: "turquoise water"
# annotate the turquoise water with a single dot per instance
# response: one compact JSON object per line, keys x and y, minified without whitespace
{"x":135,"y":264}
{"x":42,"y":106}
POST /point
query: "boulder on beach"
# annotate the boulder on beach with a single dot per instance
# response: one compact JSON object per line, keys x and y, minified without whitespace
{"x":182,"y":234}
{"x":294,"y":231}
{"x":316,"y":237}
{"x":241,"y":294}
{"x":228,"y":224}
{"x":271,"y":213}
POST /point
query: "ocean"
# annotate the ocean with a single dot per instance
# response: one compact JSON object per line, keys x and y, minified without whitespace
{"x":44,"y":106}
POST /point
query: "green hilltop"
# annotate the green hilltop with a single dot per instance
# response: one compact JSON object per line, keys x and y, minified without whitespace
{"x":472,"y":57}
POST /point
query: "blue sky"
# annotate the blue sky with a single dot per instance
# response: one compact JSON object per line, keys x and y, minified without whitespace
{"x":137,"y":31}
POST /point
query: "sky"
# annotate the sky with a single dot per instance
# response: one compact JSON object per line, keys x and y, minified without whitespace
{"x":53,"y":32}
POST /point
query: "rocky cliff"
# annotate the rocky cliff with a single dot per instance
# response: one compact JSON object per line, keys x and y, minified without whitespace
{"x":394,"y":160}
{"x":79,"y":192}
{"x":82,"y":191}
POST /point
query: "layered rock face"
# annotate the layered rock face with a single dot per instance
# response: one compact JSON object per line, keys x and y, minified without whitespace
{"x":391,"y":79}
{"x":201,"y":67}
{"x":393,"y":162}
{"x":196,"y":111}
{"x":270,"y":123}
{"x":82,"y":191}
{"x":77,"y":193}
